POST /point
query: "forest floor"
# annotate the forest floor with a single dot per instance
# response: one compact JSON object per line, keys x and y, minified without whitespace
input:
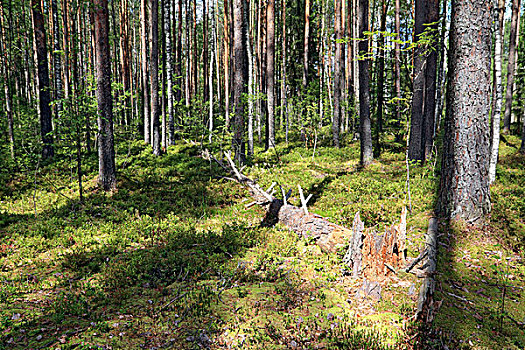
{"x":173,"y":259}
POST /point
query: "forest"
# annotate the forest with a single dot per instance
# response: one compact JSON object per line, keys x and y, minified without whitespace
{"x":279,"y":174}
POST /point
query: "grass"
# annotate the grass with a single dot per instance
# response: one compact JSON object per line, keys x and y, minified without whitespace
{"x":174,"y":260}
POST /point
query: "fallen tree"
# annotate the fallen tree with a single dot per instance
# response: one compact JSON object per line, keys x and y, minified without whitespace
{"x":370,"y":255}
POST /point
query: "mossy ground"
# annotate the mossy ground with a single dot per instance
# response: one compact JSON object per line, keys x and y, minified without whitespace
{"x":173,"y":259}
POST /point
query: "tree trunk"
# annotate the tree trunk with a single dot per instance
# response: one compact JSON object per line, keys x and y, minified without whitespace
{"x":145,"y":73}
{"x":226,"y":62}
{"x":464,"y":187}
{"x":270,"y":71}
{"x":5,"y":48}
{"x":498,"y":89}
{"x":397,"y":64}
{"x":367,"y":154}
{"x":380,"y":78}
{"x":57,"y":58}
{"x":194,"y":66}
{"x":106,"y":150}
{"x":154,"y":74}
{"x":418,"y":87}
{"x":511,"y":66}
{"x":240,"y":78}
{"x":250,"y":84}
{"x":67,"y":45}
{"x":178,"y":64}
{"x":283,"y":70}
{"x":168,"y":15}
{"x":432,"y":20}
{"x":441,"y":73}
{"x":125,"y":60}
{"x":40,"y":46}
{"x":338,"y":73}
{"x":205,"y":91}
{"x":306,"y":42}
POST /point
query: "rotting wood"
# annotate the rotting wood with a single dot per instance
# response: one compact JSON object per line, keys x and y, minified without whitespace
{"x":328,"y":236}
{"x":373,"y":255}
{"x":425,"y":303}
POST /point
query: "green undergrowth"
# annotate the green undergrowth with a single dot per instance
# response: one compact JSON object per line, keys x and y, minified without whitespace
{"x":174,"y":259}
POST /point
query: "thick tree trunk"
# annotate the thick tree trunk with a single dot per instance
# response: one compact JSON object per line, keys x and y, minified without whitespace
{"x":240,"y":78}
{"x":106,"y":150}
{"x":338,"y":73}
{"x":498,"y":89}
{"x":511,"y":66}
{"x":145,"y":73}
{"x":464,"y":187}
{"x":40,"y":46}
{"x":367,"y":154}
{"x":270,"y":71}
{"x":154,"y":75}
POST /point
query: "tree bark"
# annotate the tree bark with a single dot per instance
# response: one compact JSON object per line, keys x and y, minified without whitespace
{"x":270,"y":71}
{"x":106,"y":150}
{"x":40,"y":46}
{"x":464,"y":186}
{"x":367,"y":154}
{"x":511,"y":66}
{"x":154,"y":75}
{"x":240,"y":78}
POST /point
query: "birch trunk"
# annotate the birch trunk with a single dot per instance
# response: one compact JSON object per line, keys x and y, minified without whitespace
{"x":511,"y":67}
{"x":498,"y":90}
